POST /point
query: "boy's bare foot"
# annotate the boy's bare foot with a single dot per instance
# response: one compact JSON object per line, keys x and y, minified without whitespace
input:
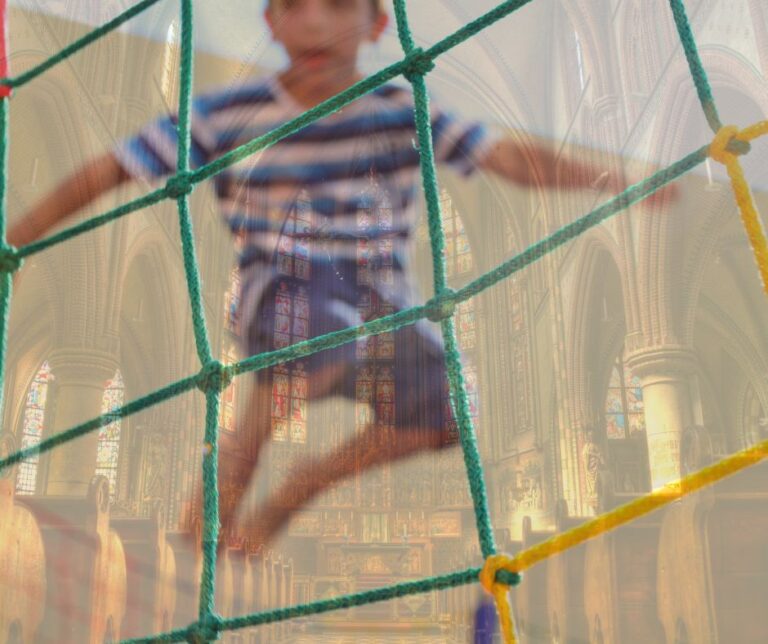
{"x":311,"y":477}
{"x":269,"y":520}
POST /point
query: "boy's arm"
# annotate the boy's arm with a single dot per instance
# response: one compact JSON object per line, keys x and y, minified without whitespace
{"x":76,"y":191}
{"x":539,"y":164}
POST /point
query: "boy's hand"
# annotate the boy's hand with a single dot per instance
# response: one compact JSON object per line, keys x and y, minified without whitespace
{"x":538,"y":164}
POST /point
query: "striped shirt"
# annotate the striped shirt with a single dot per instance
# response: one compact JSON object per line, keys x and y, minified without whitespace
{"x":341,"y":188}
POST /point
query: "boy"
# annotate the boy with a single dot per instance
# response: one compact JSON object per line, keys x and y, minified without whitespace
{"x":295,"y":210}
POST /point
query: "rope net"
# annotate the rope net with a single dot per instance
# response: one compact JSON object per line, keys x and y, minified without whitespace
{"x":499,"y":571}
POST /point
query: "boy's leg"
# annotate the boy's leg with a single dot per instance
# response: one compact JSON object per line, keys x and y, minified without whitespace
{"x":257,"y":423}
{"x":420,"y":425}
{"x":372,"y":449}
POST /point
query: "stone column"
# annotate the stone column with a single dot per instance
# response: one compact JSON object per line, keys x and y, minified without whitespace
{"x":81,"y":375}
{"x":665,"y":374}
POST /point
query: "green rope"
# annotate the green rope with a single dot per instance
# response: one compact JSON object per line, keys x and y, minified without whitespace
{"x":698,"y":73}
{"x":703,"y":89}
{"x":438,"y":582}
{"x":9,"y":266}
{"x":458,"y":393}
{"x":213,"y":376}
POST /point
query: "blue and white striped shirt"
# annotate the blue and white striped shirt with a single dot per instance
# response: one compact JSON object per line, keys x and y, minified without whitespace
{"x":343,"y":187}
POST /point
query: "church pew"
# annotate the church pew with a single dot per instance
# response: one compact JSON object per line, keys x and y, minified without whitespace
{"x":22,"y":562}
{"x":85,"y":565}
{"x":151,"y":574}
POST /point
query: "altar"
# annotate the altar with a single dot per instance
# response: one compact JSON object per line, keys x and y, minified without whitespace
{"x":358,"y":567}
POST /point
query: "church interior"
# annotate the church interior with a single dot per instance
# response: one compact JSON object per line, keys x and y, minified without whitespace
{"x":615,"y":364}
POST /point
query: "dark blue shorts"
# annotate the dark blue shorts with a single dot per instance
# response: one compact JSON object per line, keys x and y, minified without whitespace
{"x":410,"y":358}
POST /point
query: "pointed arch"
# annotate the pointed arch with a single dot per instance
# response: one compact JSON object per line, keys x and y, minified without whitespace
{"x":669,"y":280}
{"x":598,"y":322}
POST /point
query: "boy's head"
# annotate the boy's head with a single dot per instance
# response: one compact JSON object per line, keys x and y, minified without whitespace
{"x":324,"y":36}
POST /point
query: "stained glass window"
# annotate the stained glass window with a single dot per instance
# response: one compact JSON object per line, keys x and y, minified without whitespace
{"x":293,"y":247}
{"x":465,"y":324}
{"x":381,"y":346}
{"x":291,"y":316}
{"x":228,"y":406}
{"x":232,"y":302}
{"x":32,"y":428}
{"x":299,"y":406}
{"x":289,"y":404}
{"x":289,"y":386}
{"x":624,"y":410}
{"x":281,"y":395}
{"x":283,"y":308}
{"x":385,"y":397}
{"x":470,"y":382}
{"x":458,"y":253}
{"x":300,"y":330}
{"x":109,"y":435}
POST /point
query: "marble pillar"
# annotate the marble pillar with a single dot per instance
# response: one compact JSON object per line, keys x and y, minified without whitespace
{"x":665,"y":374}
{"x":81,"y":376}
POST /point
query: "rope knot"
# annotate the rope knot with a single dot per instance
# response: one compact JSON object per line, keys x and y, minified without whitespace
{"x":726,"y":145}
{"x":179,"y":185}
{"x":442,"y":306}
{"x":497,"y":566}
{"x":204,"y":631}
{"x":9,"y":259}
{"x":417,"y":63}
{"x":214,"y":376}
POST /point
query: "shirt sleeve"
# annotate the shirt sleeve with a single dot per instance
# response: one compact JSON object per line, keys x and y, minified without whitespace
{"x":151,"y":153}
{"x":458,"y":144}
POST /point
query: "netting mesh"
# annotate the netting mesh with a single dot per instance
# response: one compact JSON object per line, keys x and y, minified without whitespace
{"x":499,"y":571}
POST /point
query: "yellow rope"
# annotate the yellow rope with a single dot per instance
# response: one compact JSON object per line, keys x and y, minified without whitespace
{"x":673,"y":491}
{"x":493,"y":564}
{"x":718,"y":150}
{"x":749,"y":215}
{"x":608,"y":521}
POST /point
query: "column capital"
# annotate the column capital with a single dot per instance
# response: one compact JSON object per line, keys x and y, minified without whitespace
{"x":672,"y":361}
{"x":82,"y":366}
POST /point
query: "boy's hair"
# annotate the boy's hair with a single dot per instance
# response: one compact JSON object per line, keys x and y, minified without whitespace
{"x":376,"y":5}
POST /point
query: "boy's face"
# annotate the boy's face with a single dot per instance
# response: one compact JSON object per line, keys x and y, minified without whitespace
{"x":323,"y":36}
